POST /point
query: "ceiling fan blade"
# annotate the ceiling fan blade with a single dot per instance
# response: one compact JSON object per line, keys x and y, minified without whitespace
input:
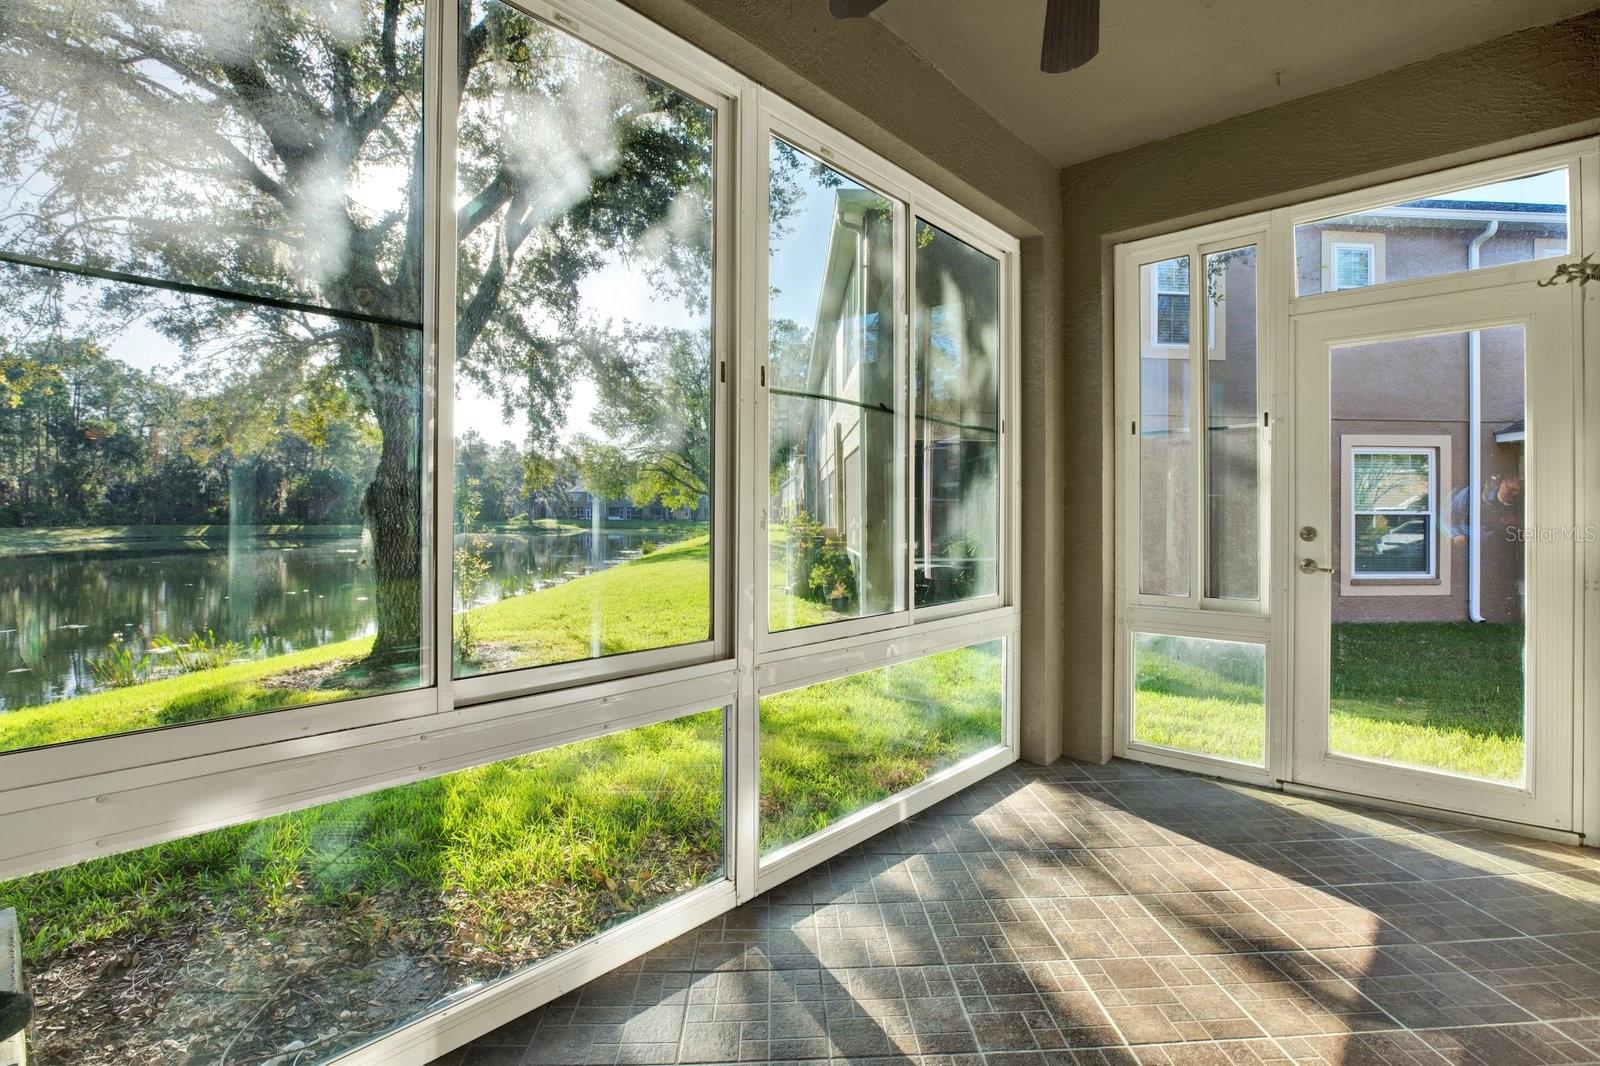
{"x":853,"y":9}
{"x":1071,"y":34}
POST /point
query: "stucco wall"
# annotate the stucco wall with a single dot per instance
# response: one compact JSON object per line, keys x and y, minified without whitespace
{"x":869,"y":84}
{"x":1519,"y":91}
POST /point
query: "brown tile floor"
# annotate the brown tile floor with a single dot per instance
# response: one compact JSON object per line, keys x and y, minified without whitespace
{"x":1121,"y":914}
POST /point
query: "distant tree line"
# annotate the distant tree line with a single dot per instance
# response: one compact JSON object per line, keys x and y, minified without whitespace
{"x":85,"y":439}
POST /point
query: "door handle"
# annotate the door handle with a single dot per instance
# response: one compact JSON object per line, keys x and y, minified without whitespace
{"x":1309,"y":566}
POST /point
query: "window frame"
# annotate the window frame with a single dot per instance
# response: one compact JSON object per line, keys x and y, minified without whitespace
{"x":1369,"y":250}
{"x":1436,"y":582}
{"x":101,"y":796}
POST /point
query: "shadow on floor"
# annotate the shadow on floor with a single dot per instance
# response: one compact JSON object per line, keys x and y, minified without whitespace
{"x":1120,"y":913}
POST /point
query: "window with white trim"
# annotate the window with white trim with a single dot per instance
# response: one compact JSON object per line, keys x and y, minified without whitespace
{"x":1353,"y":265}
{"x":1393,"y":521}
{"x":1169,"y":307}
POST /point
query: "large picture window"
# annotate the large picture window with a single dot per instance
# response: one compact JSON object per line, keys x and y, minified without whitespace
{"x":392,"y":466}
{"x":956,"y":412}
{"x":583,"y":477}
{"x":834,"y":397}
{"x":338,"y":923}
{"x":212,"y":356}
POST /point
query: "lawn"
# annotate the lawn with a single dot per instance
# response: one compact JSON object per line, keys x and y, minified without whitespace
{"x":1443,"y":695}
{"x":349,"y":918}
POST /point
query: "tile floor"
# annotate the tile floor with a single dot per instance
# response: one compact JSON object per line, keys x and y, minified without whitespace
{"x":1120,"y":914}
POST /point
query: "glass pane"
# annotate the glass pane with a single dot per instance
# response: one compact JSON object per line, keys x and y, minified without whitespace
{"x":1485,"y":226}
{"x":336,"y":924}
{"x":1392,"y":481}
{"x":1427,"y":642}
{"x":1232,"y":421}
{"x":1393,"y":545}
{"x":832,"y":749}
{"x":1166,"y":450}
{"x":583,"y":353}
{"x":1202,"y":696}
{"x":271,"y":149}
{"x":834,"y":480}
{"x":203,"y":512}
{"x":957,"y":445}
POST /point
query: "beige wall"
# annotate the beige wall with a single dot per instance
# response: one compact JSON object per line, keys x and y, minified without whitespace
{"x":1526,"y":89}
{"x":869,"y":84}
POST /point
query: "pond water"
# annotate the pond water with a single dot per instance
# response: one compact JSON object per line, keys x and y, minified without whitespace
{"x":59,"y":611}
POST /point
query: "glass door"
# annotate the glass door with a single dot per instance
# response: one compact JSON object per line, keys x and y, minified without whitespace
{"x":1435,"y":552}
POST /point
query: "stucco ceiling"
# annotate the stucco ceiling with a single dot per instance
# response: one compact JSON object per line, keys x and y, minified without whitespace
{"x":1166,"y":66}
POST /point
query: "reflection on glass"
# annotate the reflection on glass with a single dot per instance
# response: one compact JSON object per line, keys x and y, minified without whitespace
{"x":342,"y":922}
{"x":190,"y":522}
{"x":833,"y":478}
{"x":956,"y":450}
{"x":1233,"y":511}
{"x":583,"y":354}
{"x":1166,"y":435}
{"x":1485,"y":226}
{"x":835,"y":748}
{"x":1206,"y":697}
{"x":264,"y":148}
{"x":1429,"y":600}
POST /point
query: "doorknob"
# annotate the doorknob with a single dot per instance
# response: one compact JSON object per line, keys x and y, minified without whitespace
{"x":1309,"y":566}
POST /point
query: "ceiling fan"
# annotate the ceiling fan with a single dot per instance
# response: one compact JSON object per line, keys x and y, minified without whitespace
{"x":1071,"y":29}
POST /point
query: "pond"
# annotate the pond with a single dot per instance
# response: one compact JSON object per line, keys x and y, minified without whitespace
{"x":60,"y":610}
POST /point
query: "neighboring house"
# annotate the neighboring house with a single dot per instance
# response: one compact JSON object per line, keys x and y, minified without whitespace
{"x":840,"y":407}
{"x":1400,"y":420}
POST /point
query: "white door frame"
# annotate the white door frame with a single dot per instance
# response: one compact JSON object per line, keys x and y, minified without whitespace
{"x":1546,"y":797}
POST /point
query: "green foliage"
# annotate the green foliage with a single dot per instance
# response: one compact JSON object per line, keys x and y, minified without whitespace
{"x":822,"y":568}
{"x":120,"y":666}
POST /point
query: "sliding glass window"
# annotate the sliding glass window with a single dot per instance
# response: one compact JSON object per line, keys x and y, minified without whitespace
{"x":583,"y":352}
{"x":956,"y":511}
{"x":320,"y":930}
{"x":834,"y":475}
{"x":211,"y":352}
{"x":835,"y":748}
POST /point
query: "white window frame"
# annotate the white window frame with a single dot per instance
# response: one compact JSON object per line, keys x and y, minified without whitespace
{"x":1436,"y":578}
{"x":1368,"y":249}
{"x":1156,"y":293}
{"x":1549,"y":247}
{"x":92,"y":798}
{"x":1283,"y":306}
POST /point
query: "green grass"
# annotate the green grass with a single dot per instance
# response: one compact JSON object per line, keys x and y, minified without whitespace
{"x":227,"y":690}
{"x":831,"y":749}
{"x":517,"y":857}
{"x":655,"y":601}
{"x":1442,"y":695}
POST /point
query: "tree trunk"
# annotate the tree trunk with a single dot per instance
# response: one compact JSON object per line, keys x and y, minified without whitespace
{"x":393,"y":508}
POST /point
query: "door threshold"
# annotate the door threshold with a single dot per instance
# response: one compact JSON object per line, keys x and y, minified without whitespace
{"x":1477,"y":821}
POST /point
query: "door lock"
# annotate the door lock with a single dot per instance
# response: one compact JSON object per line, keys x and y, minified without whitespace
{"x":1309,"y":566}
{"x":1308,"y":533}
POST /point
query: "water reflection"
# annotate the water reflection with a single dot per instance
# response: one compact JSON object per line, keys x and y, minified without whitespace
{"x":271,"y":595}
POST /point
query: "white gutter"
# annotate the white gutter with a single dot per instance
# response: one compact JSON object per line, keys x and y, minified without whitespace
{"x":1475,"y":445}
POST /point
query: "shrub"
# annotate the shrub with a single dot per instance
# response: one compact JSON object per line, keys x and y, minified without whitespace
{"x":823,"y":571}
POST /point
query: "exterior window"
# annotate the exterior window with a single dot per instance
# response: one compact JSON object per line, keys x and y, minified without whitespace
{"x":583,"y":354}
{"x":1206,"y":697}
{"x":1485,"y":226}
{"x":956,"y":426}
{"x":834,"y":469}
{"x":831,"y":749}
{"x":1394,"y":512}
{"x":211,"y":466}
{"x":1352,"y":265}
{"x":1169,"y":314}
{"x":353,"y":918}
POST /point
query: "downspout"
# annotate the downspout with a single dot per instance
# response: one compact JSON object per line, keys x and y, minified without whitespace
{"x":1475,"y":445}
